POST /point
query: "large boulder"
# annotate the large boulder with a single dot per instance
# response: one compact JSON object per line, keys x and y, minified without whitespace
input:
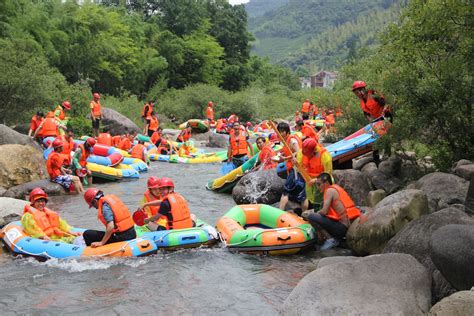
{"x":355,"y":183}
{"x":217,"y":140}
{"x":23,"y":190}
{"x":116,"y":124}
{"x":452,"y":252}
{"x":469,"y":203}
{"x":261,"y":187}
{"x":20,"y":164}
{"x":375,"y":197}
{"x":380,"y":180}
{"x":171,"y":133}
{"x":10,"y":210}
{"x":359,"y":163}
{"x":465,"y":171}
{"x":10,"y":136}
{"x":369,"y":234}
{"x":443,"y":189}
{"x":391,"y":167}
{"x":376,"y":285}
{"x":414,"y":239}
{"x":458,"y":304}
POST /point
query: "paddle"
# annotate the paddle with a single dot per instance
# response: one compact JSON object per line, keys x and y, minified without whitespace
{"x":139,"y":217}
{"x":298,"y":166}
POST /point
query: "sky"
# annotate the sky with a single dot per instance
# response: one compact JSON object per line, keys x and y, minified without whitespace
{"x":238,"y":1}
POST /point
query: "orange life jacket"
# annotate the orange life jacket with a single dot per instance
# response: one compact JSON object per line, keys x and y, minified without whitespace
{"x":96,"y":111}
{"x":116,"y":140}
{"x":265,"y":156}
{"x":122,"y":218}
{"x":238,"y":146}
{"x":84,"y":155}
{"x":104,"y":139}
{"x":47,"y":220}
{"x":125,"y":144}
{"x":179,"y":211}
{"x":155,"y":137}
{"x":371,"y":106}
{"x":286,"y":152}
{"x":315,"y":110}
{"x":137,"y":151}
{"x":330,"y":119}
{"x":305,"y":107}
{"x":313,"y":165}
{"x":35,"y":123}
{"x":153,"y":210}
{"x":184,"y":136}
{"x":146,"y":112}
{"x":220,"y":125}
{"x":61,"y":115}
{"x":154,"y":124}
{"x":308,"y":131}
{"x":68,"y":146}
{"x":210,"y":113}
{"x":54,"y":171}
{"x":49,"y":127}
{"x":351,"y":211}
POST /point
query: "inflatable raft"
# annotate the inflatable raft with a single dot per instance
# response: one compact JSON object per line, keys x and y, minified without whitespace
{"x":263,"y":229}
{"x":196,"y":124}
{"x":21,"y":244}
{"x":113,"y":173}
{"x":226,"y":183}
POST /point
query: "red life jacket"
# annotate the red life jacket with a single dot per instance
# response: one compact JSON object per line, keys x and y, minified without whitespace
{"x":123,"y":220}
{"x":54,"y":171}
{"x":308,"y":131}
{"x":286,"y":152}
{"x":179,"y":212}
{"x":350,"y":210}
{"x":125,"y":144}
{"x":47,"y":220}
{"x":238,"y":146}
{"x":210,"y":113}
{"x":155,"y":137}
{"x":184,"y":136}
{"x":137,"y":151}
{"x":96,"y":108}
{"x":84,"y":155}
{"x":154,"y":124}
{"x":305,"y":107}
{"x":49,"y":127}
{"x":265,"y":156}
{"x":313,"y":165}
{"x":35,"y":123}
{"x":371,"y":106}
{"x":116,"y":140}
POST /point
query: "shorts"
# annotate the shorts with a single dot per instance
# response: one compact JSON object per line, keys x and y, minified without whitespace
{"x":336,"y":229}
{"x":63,"y":180}
{"x":95,"y":123}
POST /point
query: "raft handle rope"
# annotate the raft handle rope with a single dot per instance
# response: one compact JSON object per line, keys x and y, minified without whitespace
{"x":181,"y":230}
{"x":263,"y":232}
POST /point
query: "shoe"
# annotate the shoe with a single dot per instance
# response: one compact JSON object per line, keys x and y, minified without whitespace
{"x":329,"y":244}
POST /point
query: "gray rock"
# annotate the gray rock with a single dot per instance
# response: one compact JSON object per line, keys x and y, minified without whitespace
{"x":369,"y":234}
{"x":465,"y":171}
{"x":10,"y":136}
{"x":458,"y":304}
{"x":261,"y":187}
{"x":201,"y":136}
{"x":355,"y":183}
{"x":20,"y":164}
{"x":22,"y":128}
{"x":375,"y":196}
{"x":414,"y":239}
{"x":117,"y":124}
{"x":443,"y":189}
{"x":171,"y":133}
{"x":382,"y":181}
{"x":376,"y":285}
{"x":218,"y":140}
{"x":338,"y":259}
{"x":22,"y":191}
{"x":452,"y":253}
{"x":469,"y":204}
{"x":391,"y":167}
{"x":461,"y":162}
{"x":357,"y":164}
{"x":369,"y":168}
{"x":10,"y":210}
{"x":2,"y":191}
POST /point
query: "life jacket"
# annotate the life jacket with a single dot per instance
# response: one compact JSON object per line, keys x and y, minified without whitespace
{"x":184,"y":136}
{"x":96,"y":108}
{"x":210,"y":113}
{"x":61,"y":115}
{"x":313,"y":165}
{"x":265,"y":156}
{"x":351,"y":211}
{"x":330,"y":119}
{"x":137,"y":151}
{"x":155,"y":137}
{"x":238,"y":146}
{"x":104,"y":139}
{"x":220,"y":125}
{"x":371,"y":106}
{"x":315,"y":110}
{"x":54,"y":171}
{"x":148,"y":198}
{"x":49,"y":127}
{"x":181,"y":216}
{"x":163,"y":149}
{"x":84,"y":155}
{"x":35,"y":123}
{"x":125,"y":144}
{"x":47,"y":220}
{"x":116,"y":140}
{"x":286,"y":152}
{"x":146,"y":112}
{"x":154,"y":124}
{"x":68,"y":145}
{"x":122,"y":218}
{"x":308,"y":131}
{"x":305,"y":107}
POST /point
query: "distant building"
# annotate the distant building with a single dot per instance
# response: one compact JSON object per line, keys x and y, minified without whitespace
{"x":323,"y":79}
{"x":305,"y":82}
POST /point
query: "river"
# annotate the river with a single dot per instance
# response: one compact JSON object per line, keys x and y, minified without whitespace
{"x":197,"y":281}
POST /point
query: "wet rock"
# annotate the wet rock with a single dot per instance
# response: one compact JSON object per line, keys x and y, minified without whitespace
{"x":337,"y":259}
{"x":443,"y":189}
{"x":375,"y":196}
{"x":9,"y":136}
{"x":391,"y":167}
{"x":369,"y":234}
{"x":218,"y":140}
{"x":355,"y":183}
{"x":465,"y":171}
{"x":261,"y":187}
{"x":10,"y":210}
{"x":116,"y":124}
{"x":452,"y":253}
{"x":20,"y":164}
{"x":375,"y":285}
{"x":458,"y":304}
{"x":357,"y":164}
{"x":22,"y":191}
{"x":414,"y":239}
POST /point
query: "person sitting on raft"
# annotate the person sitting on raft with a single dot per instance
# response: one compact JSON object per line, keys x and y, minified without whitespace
{"x":239,"y":148}
{"x":56,"y":170}
{"x":156,"y":137}
{"x":266,"y":154}
{"x":79,"y":160}
{"x":112,"y":212}
{"x":337,"y":212}
{"x":38,"y":221}
{"x":185,"y":134}
{"x":153,"y":194}
{"x":139,"y":152}
{"x":173,"y":207}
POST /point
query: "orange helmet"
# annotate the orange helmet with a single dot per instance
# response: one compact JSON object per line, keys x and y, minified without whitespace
{"x":96,"y":96}
{"x":91,"y":195}
{"x":57,"y":143}
{"x":66,"y":105}
{"x":36,"y":194}
{"x":166,"y":182}
{"x":358,"y":84}
{"x":153,"y":183}
{"x":309,"y":145}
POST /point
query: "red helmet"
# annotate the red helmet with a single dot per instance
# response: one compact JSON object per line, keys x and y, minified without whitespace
{"x":210,"y":103}
{"x":96,"y":96}
{"x":273,"y":137}
{"x":358,"y":85}
{"x":90,"y":195}
{"x":36,"y":194}
{"x":66,"y":105}
{"x":57,"y":143}
{"x":91,"y":141}
{"x":309,"y":145}
{"x":153,"y":182}
{"x":248,"y":124}
{"x":166,"y":182}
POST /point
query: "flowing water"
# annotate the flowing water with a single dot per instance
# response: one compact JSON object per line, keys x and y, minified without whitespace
{"x":196,"y":281}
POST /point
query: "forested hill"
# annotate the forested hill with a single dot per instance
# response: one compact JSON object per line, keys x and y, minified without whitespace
{"x":256,"y":8}
{"x":319,"y":33}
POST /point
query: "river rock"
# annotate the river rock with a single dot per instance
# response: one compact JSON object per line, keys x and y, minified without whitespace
{"x":10,"y":210}
{"x":218,"y":140}
{"x":20,"y":164}
{"x":414,"y":239}
{"x":201,"y":137}
{"x":391,"y":167}
{"x":355,"y":183}
{"x":460,"y":163}
{"x":10,"y":136}
{"x":357,"y":164}
{"x":370,"y":234}
{"x":117,"y":124}
{"x":171,"y":133}
{"x":262,"y":187}
{"x":2,"y":191}
{"x":465,"y":171}
{"x":337,"y":259}
{"x":452,"y":252}
{"x":469,"y":203}
{"x":458,"y":304}
{"x":368,"y":168}
{"x":23,"y":190}
{"x":375,"y":196}
{"x":376,"y":285}
{"x":443,"y":189}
